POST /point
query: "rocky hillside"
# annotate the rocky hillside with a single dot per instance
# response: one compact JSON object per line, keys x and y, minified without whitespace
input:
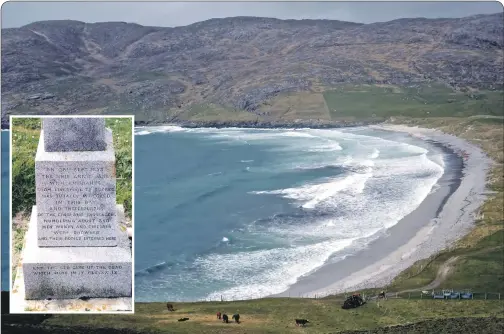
{"x":237,"y":64}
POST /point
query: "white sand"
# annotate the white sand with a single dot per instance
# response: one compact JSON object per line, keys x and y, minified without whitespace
{"x":455,"y":220}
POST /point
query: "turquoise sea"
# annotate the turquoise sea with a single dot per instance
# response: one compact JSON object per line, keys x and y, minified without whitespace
{"x":243,"y":213}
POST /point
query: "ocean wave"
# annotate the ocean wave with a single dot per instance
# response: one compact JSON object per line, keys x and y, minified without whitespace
{"x":373,"y":184}
{"x":295,"y":134}
{"x":211,"y":193}
{"x":142,"y":133}
{"x":147,"y":130}
{"x":435,"y":188}
{"x":328,"y":147}
{"x":375,"y":154}
{"x":152,"y":269}
{"x":201,"y":197}
{"x":265,"y":272}
{"x":402,"y":182}
{"x":313,"y":194}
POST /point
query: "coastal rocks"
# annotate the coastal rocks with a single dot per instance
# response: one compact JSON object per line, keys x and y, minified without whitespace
{"x":175,"y":87}
{"x":295,"y":124}
{"x":198,"y":79}
{"x":40,"y":97}
{"x":255,"y":97}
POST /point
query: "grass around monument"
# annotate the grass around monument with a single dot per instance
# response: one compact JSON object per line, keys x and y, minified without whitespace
{"x":25,"y":138}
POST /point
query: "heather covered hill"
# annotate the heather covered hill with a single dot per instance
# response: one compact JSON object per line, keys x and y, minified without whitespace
{"x":236,"y":67}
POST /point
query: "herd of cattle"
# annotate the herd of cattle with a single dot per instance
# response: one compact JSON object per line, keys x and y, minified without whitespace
{"x":350,"y":302}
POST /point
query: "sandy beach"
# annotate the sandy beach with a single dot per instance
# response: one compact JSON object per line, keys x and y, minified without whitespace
{"x":442,"y":218}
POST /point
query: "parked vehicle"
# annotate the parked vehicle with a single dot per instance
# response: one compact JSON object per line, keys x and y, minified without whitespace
{"x":353,"y":301}
{"x":447,"y":293}
{"x":455,"y":295}
{"x":466,"y":295}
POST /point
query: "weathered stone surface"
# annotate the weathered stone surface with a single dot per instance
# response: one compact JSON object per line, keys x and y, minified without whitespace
{"x":74,"y":134}
{"x":76,"y":196}
{"x":75,"y":272}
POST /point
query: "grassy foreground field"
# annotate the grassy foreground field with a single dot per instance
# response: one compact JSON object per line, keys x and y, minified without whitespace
{"x":276,"y":315}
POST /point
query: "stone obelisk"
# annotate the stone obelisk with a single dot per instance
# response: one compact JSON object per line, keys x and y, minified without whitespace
{"x":74,"y":247}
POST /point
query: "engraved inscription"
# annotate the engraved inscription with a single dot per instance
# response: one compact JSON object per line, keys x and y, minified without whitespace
{"x":77,"y":202}
{"x":75,"y":270}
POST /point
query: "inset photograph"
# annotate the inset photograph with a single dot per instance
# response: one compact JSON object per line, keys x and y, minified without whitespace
{"x":71,"y":221}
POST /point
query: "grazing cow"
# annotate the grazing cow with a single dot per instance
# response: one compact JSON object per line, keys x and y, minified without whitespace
{"x":236,"y":318}
{"x":219,"y":315}
{"x":301,"y":322}
{"x":183,"y":319}
{"x":225,"y":318}
{"x":170,"y":307}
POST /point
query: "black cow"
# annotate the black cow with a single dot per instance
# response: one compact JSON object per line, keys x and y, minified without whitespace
{"x":236,"y":318}
{"x":225,"y":318}
{"x":183,"y":319}
{"x":170,"y":307}
{"x":301,"y":322}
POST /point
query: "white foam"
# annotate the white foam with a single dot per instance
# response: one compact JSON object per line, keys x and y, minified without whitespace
{"x":330,"y":189}
{"x":403,"y":183}
{"x":147,"y":130}
{"x":142,"y":133}
{"x":375,"y":154}
{"x":296,"y":134}
{"x":385,"y":181}
{"x":265,"y":272}
{"x":328,"y":147}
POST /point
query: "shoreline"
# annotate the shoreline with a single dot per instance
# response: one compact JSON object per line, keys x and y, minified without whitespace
{"x":442,"y":218}
{"x":263,"y":124}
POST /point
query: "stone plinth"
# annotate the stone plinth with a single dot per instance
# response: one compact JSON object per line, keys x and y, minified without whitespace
{"x":75,"y":272}
{"x":80,"y":134}
{"x":76,"y":196}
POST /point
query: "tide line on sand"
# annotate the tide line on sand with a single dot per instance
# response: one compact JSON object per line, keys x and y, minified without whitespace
{"x":454,"y":221}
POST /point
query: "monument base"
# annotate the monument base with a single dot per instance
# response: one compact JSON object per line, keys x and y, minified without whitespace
{"x":75,"y":272}
{"x":18,"y":303}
